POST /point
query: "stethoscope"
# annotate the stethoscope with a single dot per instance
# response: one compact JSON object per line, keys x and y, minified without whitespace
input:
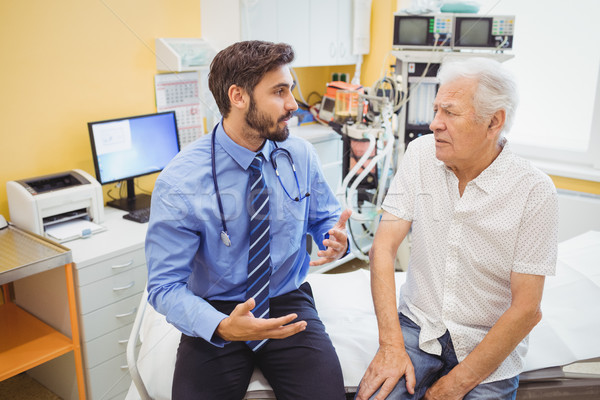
{"x":225,"y":238}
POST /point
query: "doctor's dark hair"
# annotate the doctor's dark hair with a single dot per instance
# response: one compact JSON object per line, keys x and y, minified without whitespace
{"x":244,"y":64}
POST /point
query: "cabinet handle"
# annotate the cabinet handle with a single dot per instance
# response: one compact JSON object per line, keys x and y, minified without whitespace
{"x":127,"y":264}
{"x":127,"y":314}
{"x":128,"y":286}
{"x":342,"y":50}
{"x":123,"y":341}
{"x":124,"y":367}
{"x":332,"y":49}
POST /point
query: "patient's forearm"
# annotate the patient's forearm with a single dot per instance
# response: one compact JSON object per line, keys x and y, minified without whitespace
{"x":383,"y":290}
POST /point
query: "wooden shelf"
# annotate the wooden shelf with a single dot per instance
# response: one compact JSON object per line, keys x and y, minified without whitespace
{"x":28,"y":342}
{"x":25,"y":341}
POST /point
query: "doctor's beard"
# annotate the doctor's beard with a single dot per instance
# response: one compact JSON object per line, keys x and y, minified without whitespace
{"x":264,"y":125}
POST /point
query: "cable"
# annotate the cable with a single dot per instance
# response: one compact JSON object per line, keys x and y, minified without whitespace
{"x":502,"y":44}
{"x":421,"y":78}
{"x":298,"y":85}
{"x":313,"y":93}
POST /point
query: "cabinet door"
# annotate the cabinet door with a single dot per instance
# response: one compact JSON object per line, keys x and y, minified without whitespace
{"x":344,"y":32}
{"x":293,"y":27}
{"x":258,"y":20}
{"x":323,"y":32}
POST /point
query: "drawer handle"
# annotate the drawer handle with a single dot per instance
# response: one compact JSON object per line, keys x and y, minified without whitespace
{"x":128,"y":286}
{"x":124,"y":341}
{"x":127,"y":264}
{"x":124,"y":367}
{"x":126,"y":314}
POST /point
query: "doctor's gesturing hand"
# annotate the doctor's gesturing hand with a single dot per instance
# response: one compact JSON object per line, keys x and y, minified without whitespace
{"x":241,"y":324}
{"x":337,"y":243}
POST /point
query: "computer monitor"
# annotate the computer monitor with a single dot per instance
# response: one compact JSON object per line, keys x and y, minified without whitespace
{"x":130,"y":147}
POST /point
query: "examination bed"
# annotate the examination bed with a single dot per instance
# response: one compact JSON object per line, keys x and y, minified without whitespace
{"x":568,"y":332}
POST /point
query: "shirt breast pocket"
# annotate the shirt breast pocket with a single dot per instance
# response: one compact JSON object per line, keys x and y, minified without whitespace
{"x":288,"y":223}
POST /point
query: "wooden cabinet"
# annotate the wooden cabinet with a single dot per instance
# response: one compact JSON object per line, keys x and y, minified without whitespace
{"x":25,"y":340}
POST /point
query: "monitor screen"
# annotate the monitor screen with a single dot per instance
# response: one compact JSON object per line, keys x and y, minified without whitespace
{"x":411,"y":30}
{"x":129,"y":147}
{"x":473,"y":32}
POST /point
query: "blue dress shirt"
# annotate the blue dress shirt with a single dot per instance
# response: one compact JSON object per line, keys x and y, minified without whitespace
{"x":187,"y":261}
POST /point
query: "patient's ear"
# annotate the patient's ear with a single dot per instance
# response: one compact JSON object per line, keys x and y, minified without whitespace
{"x":497,"y":122}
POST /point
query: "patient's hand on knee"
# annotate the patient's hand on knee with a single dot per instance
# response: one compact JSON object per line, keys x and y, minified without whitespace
{"x":389,"y":365}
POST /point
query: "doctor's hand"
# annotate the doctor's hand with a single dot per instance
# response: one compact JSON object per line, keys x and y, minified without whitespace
{"x":337,"y":243}
{"x":389,"y":365}
{"x":242,"y":325}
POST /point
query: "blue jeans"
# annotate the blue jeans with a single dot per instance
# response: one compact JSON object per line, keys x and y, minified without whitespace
{"x":429,"y":368}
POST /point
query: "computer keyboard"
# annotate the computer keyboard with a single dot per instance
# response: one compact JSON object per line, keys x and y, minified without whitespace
{"x":141,"y":215}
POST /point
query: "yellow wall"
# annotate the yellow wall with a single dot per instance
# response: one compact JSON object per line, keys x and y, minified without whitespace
{"x":68,"y":62}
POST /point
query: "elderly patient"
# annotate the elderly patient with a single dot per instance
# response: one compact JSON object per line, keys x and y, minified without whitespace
{"x":484,"y":236}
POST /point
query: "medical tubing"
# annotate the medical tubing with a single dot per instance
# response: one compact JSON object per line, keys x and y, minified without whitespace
{"x":420,"y":80}
{"x":362,"y":175}
{"x":352,"y":172}
{"x":358,"y":215}
{"x":389,"y":148}
{"x":298,"y":86}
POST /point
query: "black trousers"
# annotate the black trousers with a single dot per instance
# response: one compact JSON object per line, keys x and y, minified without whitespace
{"x":302,"y":366}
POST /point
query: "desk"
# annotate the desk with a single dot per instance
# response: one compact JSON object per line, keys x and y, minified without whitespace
{"x":25,"y":341}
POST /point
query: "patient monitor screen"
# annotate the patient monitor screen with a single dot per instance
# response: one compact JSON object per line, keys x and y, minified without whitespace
{"x":473,"y":32}
{"x":412,"y":31}
{"x":129,"y":147}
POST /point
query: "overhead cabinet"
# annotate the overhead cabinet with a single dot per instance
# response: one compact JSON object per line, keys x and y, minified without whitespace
{"x":320,"y":31}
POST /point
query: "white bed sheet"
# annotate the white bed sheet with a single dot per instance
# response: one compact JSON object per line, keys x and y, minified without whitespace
{"x":567,"y":333}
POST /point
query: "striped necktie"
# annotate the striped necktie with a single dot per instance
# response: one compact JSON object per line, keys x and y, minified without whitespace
{"x":259,"y":259}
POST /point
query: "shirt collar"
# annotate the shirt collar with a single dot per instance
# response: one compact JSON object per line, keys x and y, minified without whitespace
{"x":490,"y":176}
{"x":240,"y":154}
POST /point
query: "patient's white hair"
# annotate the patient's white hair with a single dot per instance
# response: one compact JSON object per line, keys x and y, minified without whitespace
{"x":497,"y":88}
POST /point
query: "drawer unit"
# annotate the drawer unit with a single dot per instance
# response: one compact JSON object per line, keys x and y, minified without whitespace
{"x":112,"y":289}
{"x":109,"y":318}
{"x":110,"y":379}
{"x":106,"y":346}
{"x":329,"y":150}
{"x":110,"y":267}
{"x":110,"y":276}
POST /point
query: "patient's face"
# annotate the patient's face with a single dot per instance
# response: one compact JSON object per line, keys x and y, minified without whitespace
{"x":460,"y":138}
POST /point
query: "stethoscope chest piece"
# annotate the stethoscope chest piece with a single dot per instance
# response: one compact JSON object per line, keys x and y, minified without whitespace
{"x":225,"y":239}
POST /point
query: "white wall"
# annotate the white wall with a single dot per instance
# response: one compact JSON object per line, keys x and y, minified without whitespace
{"x":578,"y":213}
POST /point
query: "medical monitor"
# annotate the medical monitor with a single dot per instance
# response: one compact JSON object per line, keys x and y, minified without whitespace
{"x":130,"y":147}
{"x":425,"y":31}
{"x":484,"y":32}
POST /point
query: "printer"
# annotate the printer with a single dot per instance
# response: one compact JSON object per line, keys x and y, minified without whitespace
{"x":38,"y":203}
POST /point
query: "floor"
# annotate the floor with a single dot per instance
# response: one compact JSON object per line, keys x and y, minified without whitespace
{"x":23,"y":387}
